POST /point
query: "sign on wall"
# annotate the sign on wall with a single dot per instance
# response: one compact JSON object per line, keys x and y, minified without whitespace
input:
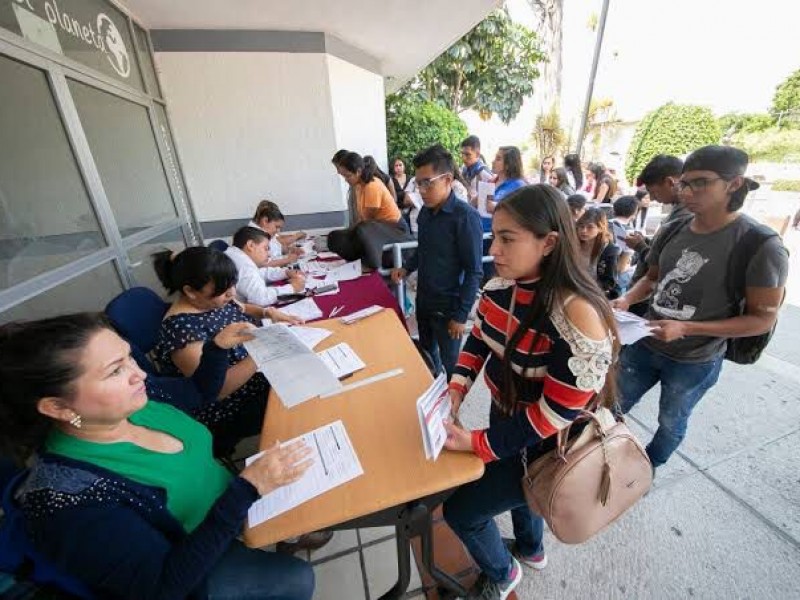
{"x":92,"y":32}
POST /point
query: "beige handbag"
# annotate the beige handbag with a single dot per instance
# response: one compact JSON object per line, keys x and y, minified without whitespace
{"x":586,"y":483}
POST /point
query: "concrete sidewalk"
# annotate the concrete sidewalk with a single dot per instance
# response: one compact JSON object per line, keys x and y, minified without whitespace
{"x":723,"y":519}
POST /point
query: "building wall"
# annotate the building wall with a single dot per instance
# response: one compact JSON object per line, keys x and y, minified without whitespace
{"x":252,"y":125}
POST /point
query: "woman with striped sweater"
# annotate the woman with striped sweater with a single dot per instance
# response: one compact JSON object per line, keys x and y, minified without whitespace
{"x":545,"y":334}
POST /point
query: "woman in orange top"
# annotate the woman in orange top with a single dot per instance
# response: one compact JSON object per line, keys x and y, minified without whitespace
{"x":379,"y":220}
{"x":374,"y":202}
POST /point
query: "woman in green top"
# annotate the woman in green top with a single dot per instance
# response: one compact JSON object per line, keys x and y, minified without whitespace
{"x":124,"y":495}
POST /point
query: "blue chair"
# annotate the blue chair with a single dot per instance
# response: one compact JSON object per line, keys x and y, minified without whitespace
{"x":18,"y":555}
{"x":137,"y":315}
{"x":220,"y":245}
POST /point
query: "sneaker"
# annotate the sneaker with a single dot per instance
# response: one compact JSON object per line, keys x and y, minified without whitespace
{"x":491,"y":590}
{"x":534,"y":561}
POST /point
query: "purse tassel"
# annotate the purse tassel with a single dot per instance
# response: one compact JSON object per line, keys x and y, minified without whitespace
{"x":605,"y":484}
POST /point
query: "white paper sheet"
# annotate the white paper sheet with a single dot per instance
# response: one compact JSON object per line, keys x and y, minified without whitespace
{"x":361,"y":314}
{"x":320,"y":268}
{"x":416,"y":198}
{"x":313,"y":284}
{"x":433,"y":407}
{"x":347,"y":271}
{"x":485,"y":189}
{"x":310,"y":336}
{"x":294,"y":371}
{"x":342,"y":360}
{"x":335,"y":463}
{"x":631,"y":327}
{"x":305,"y":309}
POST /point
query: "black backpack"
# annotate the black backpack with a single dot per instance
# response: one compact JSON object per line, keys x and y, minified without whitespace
{"x":743,"y":350}
{"x":746,"y":350}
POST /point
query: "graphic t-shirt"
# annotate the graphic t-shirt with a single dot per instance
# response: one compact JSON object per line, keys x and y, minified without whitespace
{"x":692,"y":283}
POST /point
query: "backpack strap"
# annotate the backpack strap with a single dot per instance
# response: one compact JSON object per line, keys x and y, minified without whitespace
{"x":743,"y":252}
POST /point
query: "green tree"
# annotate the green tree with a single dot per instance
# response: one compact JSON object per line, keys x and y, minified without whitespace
{"x":670,"y":129}
{"x":787,"y":99}
{"x":413,"y":124}
{"x":490,"y":70}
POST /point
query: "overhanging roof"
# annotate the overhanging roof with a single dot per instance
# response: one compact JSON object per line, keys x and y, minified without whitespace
{"x":403,"y":36}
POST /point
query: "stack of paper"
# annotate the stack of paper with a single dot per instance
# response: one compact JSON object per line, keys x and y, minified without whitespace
{"x":335,"y":463}
{"x":305,"y":309}
{"x":310,"y":336}
{"x":313,"y":284}
{"x":433,"y":407}
{"x":631,"y":327}
{"x":294,"y":371}
{"x":341,"y":360}
{"x":361,"y":314}
{"x":347,"y":271}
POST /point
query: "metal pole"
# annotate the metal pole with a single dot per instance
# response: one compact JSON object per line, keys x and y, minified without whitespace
{"x":590,"y":90}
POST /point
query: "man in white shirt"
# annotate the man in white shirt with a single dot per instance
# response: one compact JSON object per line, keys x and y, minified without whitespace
{"x":250,"y":253}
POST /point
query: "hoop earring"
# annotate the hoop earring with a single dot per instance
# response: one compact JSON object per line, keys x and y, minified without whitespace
{"x":76,"y":421}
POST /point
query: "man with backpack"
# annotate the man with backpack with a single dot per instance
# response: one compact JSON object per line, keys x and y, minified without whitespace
{"x":716,"y":280}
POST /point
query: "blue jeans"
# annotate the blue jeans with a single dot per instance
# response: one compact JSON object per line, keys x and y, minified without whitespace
{"x":246,"y":574}
{"x":470,"y":513}
{"x":434,"y":337}
{"x":682,"y":386}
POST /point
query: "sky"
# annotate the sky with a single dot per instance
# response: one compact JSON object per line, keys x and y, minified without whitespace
{"x":728,"y":55}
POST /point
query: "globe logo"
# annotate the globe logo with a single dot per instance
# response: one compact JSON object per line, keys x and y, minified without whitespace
{"x":116,"y":52}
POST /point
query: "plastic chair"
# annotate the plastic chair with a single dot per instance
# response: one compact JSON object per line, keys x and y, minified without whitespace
{"x":220,"y":245}
{"x":137,"y":315}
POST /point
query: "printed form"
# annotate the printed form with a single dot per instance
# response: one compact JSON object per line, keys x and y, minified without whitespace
{"x":294,"y":371}
{"x":433,"y":407}
{"x":335,"y":463}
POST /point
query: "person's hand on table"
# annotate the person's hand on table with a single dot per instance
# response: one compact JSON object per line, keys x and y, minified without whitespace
{"x":233,"y":335}
{"x":281,"y":317}
{"x":668,"y":330}
{"x":456,"y":329}
{"x":458,"y":438}
{"x":294,"y":254}
{"x":398,"y":275}
{"x":278,"y":466}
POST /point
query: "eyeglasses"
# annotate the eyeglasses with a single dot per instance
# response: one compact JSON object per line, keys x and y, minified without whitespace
{"x":426,"y":183}
{"x":697,"y":185}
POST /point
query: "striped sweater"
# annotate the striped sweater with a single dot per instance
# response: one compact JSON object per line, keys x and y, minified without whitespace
{"x":564,"y":370}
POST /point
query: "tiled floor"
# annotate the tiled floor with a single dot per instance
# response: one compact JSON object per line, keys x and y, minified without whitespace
{"x":360,"y":565}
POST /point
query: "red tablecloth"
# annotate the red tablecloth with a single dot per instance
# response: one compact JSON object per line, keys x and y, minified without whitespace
{"x":357,"y":294}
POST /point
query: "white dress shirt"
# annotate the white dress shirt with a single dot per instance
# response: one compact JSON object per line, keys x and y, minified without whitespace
{"x":251,"y":286}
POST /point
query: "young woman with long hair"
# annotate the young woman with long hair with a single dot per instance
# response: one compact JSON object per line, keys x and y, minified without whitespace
{"x":545,"y":334}
{"x":597,"y":251}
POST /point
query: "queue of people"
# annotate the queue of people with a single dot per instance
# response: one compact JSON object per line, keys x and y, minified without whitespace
{"x":125,"y":461}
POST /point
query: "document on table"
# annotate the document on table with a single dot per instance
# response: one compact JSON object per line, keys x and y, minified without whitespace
{"x":485,"y":189}
{"x":335,"y":463}
{"x":347,"y":271}
{"x":433,"y":407}
{"x":341,"y":360}
{"x":310,"y":336}
{"x":313,"y":284}
{"x":305,"y":309}
{"x":631,"y":327}
{"x":317,"y":268}
{"x":294,"y":371}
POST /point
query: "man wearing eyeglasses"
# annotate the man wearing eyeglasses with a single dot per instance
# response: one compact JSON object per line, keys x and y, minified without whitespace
{"x":699,"y":301}
{"x":448,"y":258}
